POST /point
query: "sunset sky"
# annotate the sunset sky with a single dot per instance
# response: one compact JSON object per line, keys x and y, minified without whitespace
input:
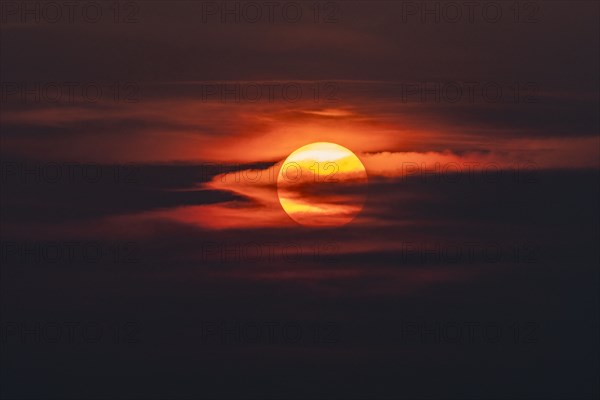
{"x":469,"y":195}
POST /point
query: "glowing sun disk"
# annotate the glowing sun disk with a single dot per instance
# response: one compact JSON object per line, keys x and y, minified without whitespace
{"x":322,"y":184}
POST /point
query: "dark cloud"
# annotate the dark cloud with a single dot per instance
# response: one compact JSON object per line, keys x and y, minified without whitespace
{"x":61,"y":192}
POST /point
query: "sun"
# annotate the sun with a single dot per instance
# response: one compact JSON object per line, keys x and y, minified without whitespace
{"x":322,"y":184}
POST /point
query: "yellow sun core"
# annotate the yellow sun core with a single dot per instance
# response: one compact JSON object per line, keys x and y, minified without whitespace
{"x":322,"y":184}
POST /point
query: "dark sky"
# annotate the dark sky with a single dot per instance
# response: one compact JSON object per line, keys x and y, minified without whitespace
{"x":140,"y":259}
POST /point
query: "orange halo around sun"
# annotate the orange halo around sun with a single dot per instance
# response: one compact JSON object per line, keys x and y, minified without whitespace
{"x":322,"y":184}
